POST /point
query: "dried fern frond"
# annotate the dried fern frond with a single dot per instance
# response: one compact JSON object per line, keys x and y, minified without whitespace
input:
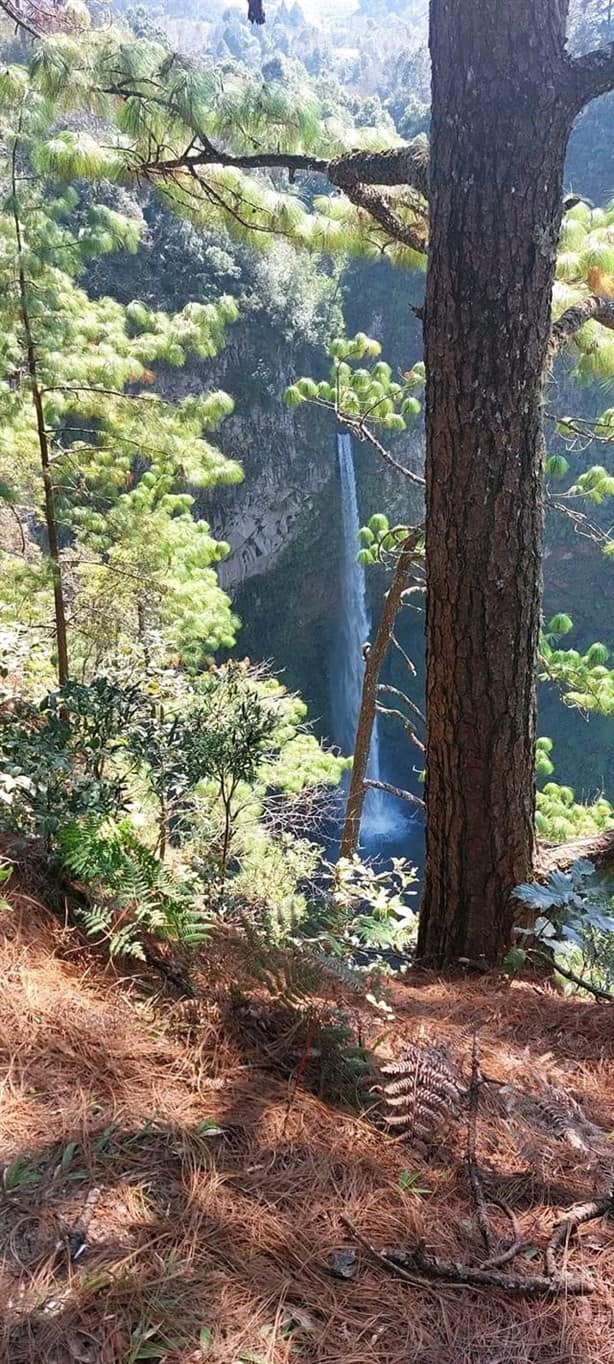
{"x":555,"y":1113}
{"x":188,"y":1015}
{"x":422,"y":1092}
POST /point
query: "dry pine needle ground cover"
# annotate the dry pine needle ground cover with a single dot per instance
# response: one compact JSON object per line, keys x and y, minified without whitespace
{"x":167,"y":1196}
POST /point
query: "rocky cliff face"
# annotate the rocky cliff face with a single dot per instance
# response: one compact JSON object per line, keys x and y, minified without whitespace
{"x":287,"y":462}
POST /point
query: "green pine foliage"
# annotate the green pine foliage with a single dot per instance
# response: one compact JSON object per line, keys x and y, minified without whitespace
{"x":123,"y":459}
{"x":584,"y":266}
{"x":158,"y":104}
{"x":584,"y":680}
{"x":362,"y":394}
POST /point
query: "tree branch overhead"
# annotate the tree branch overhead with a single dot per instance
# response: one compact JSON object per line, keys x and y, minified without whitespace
{"x":591,"y":309}
{"x":592,"y":74}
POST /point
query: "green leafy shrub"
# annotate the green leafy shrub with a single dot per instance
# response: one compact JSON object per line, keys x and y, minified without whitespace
{"x":57,"y":756}
{"x":129,"y":891}
{"x":575,"y":918}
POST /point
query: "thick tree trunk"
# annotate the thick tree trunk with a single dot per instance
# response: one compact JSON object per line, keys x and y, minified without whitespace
{"x":499,"y":130}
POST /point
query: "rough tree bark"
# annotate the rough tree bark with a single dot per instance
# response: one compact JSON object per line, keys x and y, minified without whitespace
{"x":504,"y":98}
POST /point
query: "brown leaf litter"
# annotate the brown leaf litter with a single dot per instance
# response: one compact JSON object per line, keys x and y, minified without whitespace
{"x":169,"y":1195}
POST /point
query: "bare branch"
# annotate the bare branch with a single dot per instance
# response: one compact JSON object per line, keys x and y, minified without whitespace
{"x":603,"y":995}
{"x":363,"y":432}
{"x":396,"y":691}
{"x":374,"y":785}
{"x":12,"y":10}
{"x":360,"y":430}
{"x":368,"y":702}
{"x":581,"y":523}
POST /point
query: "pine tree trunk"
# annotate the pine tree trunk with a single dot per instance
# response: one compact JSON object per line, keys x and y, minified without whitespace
{"x":59,"y":604}
{"x":499,"y":132}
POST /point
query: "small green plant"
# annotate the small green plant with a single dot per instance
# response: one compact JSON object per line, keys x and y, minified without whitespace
{"x":22,"y":1173}
{"x":6,"y":871}
{"x":58,"y":757}
{"x":411,"y":1182}
{"x":129,"y":891}
{"x":370,"y":907}
{"x":575,"y":918}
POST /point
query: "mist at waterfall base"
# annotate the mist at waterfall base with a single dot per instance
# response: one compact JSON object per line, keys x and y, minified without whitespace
{"x":388,"y":827}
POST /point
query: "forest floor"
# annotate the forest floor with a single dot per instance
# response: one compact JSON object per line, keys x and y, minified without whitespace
{"x":168,"y":1195}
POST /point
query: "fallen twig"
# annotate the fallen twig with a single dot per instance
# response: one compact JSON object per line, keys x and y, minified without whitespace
{"x":506,"y":1256}
{"x":574,"y":1218}
{"x":385,"y":1262}
{"x":415,"y":1266}
{"x":475,"y":1178}
{"x":378,"y":1255}
{"x":529,"y":1286}
{"x":575,"y":980}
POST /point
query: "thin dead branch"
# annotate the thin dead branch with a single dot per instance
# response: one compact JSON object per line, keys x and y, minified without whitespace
{"x":475,"y":1178}
{"x":568,"y":1225}
{"x":571,"y":976}
{"x":387,"y":786}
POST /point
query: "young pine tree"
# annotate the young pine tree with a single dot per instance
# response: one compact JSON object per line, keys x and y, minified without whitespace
{"x":97,"y":532}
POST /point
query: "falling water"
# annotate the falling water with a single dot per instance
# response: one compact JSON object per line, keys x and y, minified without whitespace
{"x":354,"y":631}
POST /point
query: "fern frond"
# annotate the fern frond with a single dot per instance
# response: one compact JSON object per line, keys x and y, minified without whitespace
{"x":421,"y":1092}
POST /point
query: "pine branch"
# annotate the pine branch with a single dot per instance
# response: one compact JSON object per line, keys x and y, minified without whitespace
{"x":406,"y":165}
{"x":592,"y":309}
{"x":584,"y":428}
{"x":364,"y":196}
{"x":591,"y":75}
{"x":12,"y":10}
{"x":209,"y":155}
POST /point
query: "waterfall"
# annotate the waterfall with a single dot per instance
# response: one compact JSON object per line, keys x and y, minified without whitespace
{"x":354,"y":630}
